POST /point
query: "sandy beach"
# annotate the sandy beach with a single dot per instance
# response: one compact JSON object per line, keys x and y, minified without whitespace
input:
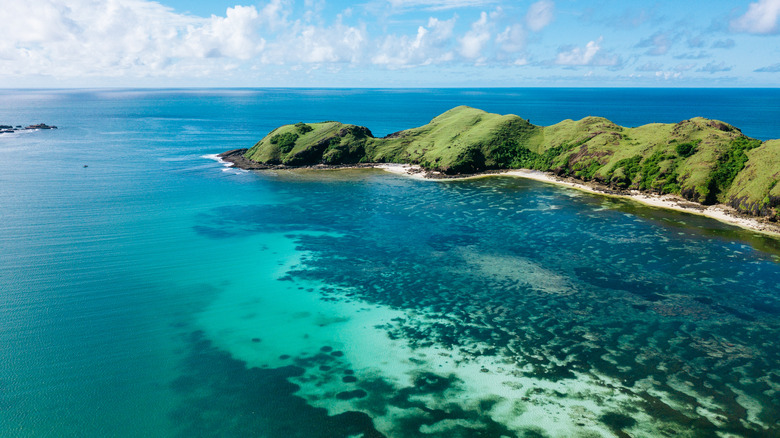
{"x":718,"y":212}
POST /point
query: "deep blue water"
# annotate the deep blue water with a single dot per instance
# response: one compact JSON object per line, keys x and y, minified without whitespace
{"x":157,"y":293}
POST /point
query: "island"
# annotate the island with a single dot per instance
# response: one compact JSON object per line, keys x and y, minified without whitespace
{"x":702,"y":161}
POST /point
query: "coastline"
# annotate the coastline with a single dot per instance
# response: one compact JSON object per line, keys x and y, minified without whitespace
{"x":719,"y":212}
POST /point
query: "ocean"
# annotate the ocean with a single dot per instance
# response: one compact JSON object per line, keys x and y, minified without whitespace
{"x":146,"y":289}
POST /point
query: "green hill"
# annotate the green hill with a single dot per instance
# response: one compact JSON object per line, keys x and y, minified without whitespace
{"x":703,"y":160}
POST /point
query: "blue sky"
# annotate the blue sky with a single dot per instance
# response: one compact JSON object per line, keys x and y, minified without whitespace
{"x":389,"y":43}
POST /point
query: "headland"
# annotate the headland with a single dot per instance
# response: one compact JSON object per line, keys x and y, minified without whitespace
{"x":701,"y":166}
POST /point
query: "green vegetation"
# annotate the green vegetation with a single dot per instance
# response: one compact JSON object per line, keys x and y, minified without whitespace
{"x":303,"y":128}
{"x":729,"y":165}
{"x":703,"y":160}
{"x":755,"y":188}
{"x":686,"y":149}
{"x":624,"y":171}
{"x":659,"y":173}
{"x":285,"y":141}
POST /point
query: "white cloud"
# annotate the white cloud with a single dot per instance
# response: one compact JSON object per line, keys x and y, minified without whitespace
{"x":116,"y":38}
{"x":139,"y":38}
{"x":761,"y":18}
{"x":512,"y":39}
{"x":310,"y":44}
{"x":775,"y":68}
{"x":314,"y":44}
{"x":658,"y":44}
{"x":274,"y":14}
{"x":520,"y":62}
{"x":590,"y":55}
{"x":428,"y":46}
{"x":81,"y":37}
{"x":77,"y":40}
{"x":472,"y":44}
{"x":650,"y":66}
{"x":701,"y":54}
{"x":49,"y":22}
{"x":724,"y":44}
{"x":578,"y":56}
{"x":235,"y":35}
{"x":714,"y":67}
{"x":696,"y":42}
{"x":539,"y":15}
{"x":667,"y":75}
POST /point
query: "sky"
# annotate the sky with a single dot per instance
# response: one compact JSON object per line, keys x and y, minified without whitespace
{"x":389,"y":43}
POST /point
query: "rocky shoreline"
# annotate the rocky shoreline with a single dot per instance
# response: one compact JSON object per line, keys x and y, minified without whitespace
{"x":720,"y":212}
{"x":236,"y":156}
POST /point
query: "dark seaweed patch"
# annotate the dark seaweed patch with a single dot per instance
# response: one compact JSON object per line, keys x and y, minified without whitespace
{"x":772,"y":308}
{"x":221,"y":397}
{"x":645,"y":289}
{"x":737,"y":313}
{"x":349,"y":395}
{"x":617,"y":421}
{"x":534,"y":433}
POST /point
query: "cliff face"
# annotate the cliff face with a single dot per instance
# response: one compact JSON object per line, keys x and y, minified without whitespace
{"x":706,"y":161}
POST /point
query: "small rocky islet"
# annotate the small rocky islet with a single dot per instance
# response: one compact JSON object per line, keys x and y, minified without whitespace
{"x":704,"y":161}
{"x":8,"y":129}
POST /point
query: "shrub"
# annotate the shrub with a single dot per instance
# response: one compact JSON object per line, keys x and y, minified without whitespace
{"x":469,"y":161}
{"x":728,"y":166}
{"x":587,"y":169}
{"x":303,"y":128}
{"x":285,"y":141}
{"x":630,"y":168}
{"x":651,"y":169}
{"x":686,"y":149}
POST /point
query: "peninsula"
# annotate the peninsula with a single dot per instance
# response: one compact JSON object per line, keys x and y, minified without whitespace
{"x":704,"y":161}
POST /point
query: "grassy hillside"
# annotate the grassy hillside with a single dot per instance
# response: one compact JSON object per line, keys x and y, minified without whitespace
{"x":703,"y":160}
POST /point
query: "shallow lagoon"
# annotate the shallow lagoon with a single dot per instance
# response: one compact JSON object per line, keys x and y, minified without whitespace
{"x":502,"y":306}
{"x":156,"y":292}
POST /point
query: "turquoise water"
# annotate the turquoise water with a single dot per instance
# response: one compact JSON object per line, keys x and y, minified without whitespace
{"x":158,"y":293}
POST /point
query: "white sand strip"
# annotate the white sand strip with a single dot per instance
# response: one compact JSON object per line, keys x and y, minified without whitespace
{"x":718,"y":212}
{"x":722,"y":213}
